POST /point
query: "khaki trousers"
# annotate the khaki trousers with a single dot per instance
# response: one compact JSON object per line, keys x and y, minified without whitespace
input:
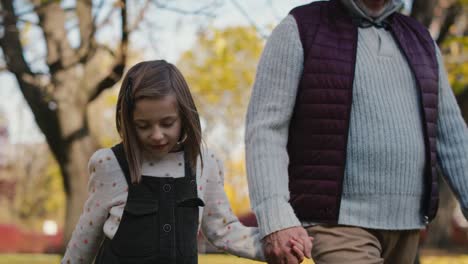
{"x":354,"y":245}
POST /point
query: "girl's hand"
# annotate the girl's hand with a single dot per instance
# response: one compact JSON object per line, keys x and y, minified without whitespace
{"x":297,"y":248}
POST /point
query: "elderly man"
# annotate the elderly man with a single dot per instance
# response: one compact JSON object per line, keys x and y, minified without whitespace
{"x":350,"y":113}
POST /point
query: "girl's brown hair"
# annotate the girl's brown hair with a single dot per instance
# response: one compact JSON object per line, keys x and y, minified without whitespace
{"x":156,"y":79}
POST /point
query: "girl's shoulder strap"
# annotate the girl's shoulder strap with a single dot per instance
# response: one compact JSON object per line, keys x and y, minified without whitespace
{"x":119,"y":153}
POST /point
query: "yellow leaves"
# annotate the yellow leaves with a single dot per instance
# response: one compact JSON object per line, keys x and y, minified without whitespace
{"x":462,"y":259}
{"x":236,"y":186}
{"x":220,"y":71}
{"x":56,"y":202}
{"x":110,"y":99}
{"x":220,"y":46}
{"x":25,"y":31}
{"x":455,"y":51}
{"x":45,"y":2}
{"x":239,"y":205}
{"x":39,"y":190}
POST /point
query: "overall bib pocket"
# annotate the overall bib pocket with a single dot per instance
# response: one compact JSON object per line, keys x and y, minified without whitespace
{"x":137,"y":234}
{"x":187,"y":222}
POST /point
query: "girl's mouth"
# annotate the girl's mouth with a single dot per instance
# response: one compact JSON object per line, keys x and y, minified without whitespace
{"x":158,"y":147}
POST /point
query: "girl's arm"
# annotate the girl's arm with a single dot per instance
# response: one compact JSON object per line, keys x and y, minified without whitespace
{"x":88,"y":233}
{"x":219,"y":225}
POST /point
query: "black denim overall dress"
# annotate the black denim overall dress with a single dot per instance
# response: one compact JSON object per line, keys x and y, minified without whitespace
{"x":160,"y":221}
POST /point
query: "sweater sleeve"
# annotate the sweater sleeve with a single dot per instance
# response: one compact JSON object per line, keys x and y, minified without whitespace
{"x":452,"y":140}
{"x":268,"y":116}
{"x":219,"y":225}
{"x":88,"y":233}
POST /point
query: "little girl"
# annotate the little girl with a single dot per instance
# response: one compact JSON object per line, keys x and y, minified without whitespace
{"x":148,"y":194}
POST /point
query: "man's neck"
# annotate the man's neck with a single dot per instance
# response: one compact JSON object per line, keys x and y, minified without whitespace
{"x":371,"y":12}
{"x":354,"y":7}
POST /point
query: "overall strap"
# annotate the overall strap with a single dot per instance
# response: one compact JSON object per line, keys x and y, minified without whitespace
{"x":189,"y":173}
{"x":119,"y":153}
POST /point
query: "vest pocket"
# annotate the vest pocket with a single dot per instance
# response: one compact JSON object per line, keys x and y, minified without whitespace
{"x":187,"y":224}
{"x":137,"y":234}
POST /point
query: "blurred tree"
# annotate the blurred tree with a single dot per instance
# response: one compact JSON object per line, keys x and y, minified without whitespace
{"x":220,"y":70}
{"x":39,"y":193}
{"x":31,"y":188}
{"x":76,"y":69}
{"x":447,"y":21}
{"x":236,"y":186}
{"x":101,"y":112}
{"x":59,"y":97}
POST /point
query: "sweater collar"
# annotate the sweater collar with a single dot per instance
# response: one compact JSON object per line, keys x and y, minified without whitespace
{"x":364,"y":20}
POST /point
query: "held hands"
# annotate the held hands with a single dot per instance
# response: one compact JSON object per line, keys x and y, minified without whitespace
{"x":287,"y":246}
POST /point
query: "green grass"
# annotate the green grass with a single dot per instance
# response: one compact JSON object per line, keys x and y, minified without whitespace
{"x":29,"y":259}
{"x":222,"y":259}
{"x":205,"y":259}
{"x":55,"y":259}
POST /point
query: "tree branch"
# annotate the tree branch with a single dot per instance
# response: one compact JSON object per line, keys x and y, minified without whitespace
{"x":423,"y":11}
{"x":87,"y":28}
{"x":450,"y":17}
{"x":38,"y":7}
{"x":10,"y":43}
{"x":120,"y":58}
{"x":202,"y":11}
{"x":86,"y":25}
{"x":140,"y":17}
{"x":273,"y":10}
{"x":106,"y":19}
{"x":52,"y":20}
{"x":27,"y":21}
{"x":35,"y":96}
{"x":249,"y":19}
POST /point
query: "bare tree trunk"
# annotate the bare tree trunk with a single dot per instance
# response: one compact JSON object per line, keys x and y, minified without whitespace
{"x":423,"y":11}
{"x":462,"y":100}
{"x":79,"y":153}
{"x":440,"y":231}
{"x":452,"y":13}
{"x":80,"y":147}
{"x":59,"y":106}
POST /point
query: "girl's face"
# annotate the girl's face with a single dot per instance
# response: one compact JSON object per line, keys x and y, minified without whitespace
{"x":158,"y":125}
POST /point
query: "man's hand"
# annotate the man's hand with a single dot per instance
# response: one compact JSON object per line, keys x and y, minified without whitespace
{"x":279,"y":249}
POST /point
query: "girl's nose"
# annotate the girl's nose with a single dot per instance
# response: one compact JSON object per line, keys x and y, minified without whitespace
{"x":157,"y":134}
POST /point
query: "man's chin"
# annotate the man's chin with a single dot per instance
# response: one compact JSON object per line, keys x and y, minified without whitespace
{"x":372,"y":12}
{"x":375,"y":14}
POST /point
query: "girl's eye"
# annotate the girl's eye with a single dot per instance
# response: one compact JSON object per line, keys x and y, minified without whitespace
{"x":142,"y":127}
{"x":167,"y":124}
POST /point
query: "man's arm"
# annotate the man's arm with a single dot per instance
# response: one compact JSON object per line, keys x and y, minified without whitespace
{"x":452,"y":140}
{"x":269,"y":112}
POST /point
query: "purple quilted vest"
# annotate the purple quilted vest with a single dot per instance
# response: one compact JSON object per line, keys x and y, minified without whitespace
{"x":318,"y":132}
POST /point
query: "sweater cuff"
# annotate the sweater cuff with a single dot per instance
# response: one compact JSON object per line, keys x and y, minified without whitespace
{"x":275,"y":214}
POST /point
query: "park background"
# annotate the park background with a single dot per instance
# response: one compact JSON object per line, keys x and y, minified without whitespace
{"x":61,"y":63}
